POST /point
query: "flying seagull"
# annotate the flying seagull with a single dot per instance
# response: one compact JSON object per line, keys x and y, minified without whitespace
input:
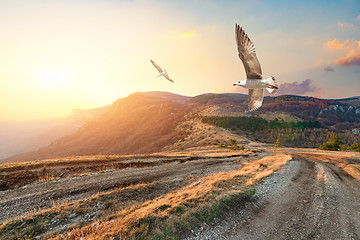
{"x":254,"y":80}
{"x":161,"y":72}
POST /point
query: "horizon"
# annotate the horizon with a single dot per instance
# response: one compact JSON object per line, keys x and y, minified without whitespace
{"x":76,"y":109}
{"x":63,"y":55}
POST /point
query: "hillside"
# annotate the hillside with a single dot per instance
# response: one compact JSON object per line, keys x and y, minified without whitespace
{"x":339,"y":114}
{"x":206,"y":182}
{"x":155,"y":121}
{"x":200,"y":193}
{"x":139,"y":123}
{"x":15,"y":136}
{"x":20,"y":137}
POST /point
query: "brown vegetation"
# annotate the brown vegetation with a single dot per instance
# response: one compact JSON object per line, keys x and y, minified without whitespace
{"x":310,"y":138}
{"x":348,"y":161}
{"x":156,"y":121}
{"x":136,"y":124}
{"x":161,"y":206}
{"x":158,"y":210}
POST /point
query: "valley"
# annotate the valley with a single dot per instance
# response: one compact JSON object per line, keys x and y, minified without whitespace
{"x":150,"y":167}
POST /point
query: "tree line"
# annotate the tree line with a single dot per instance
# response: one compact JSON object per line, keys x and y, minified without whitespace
{"x":306,"y":134}
{"x":257,"y":123}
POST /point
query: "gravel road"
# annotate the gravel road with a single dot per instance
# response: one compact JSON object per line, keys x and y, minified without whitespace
{"x":307,"y":199}
{"x":17,"y":202}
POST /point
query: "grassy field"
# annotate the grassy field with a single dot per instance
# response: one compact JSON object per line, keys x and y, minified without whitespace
{"x":156,"y":210}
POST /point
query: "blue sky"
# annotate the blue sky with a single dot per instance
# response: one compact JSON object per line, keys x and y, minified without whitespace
{"x":60,"y":55}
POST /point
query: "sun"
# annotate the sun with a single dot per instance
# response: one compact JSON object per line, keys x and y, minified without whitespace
{"x":52,"y":78}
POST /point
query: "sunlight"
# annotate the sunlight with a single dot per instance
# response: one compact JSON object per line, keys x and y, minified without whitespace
{"x":52,"y":78}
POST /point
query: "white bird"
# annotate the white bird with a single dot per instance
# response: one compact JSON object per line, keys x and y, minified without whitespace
{"x":161,"y":72}
{"x":254,"y":80}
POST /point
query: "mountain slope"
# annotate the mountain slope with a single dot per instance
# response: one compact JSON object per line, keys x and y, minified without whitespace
{"x":150,"y":122}
{"x":20,"y":137}
{"x":139,"y":123}
{"x":339,"y":114}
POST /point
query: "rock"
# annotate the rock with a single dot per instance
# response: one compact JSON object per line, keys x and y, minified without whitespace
{"x":197,"y":183}
{"x":355,"y":131}
{"x":176,"y":180}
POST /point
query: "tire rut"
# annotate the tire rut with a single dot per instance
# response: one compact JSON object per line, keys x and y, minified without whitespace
{"x":15,"y":203}
{"x":309,"y":199}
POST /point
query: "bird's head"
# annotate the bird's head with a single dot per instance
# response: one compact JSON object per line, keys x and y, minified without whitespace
{"x":239,"y":83}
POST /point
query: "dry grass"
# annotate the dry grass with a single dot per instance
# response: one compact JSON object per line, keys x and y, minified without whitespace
{"x":46,"y":178}
{"x":211,"y":152}
{"x":199,"y":134}
{"x":349,"y":161}
{"x":287,"y":117}
{"x":171,"y":214}
{"x":127,"y":211}
{"x":20,"y":174}
{"x":158,"y":210}
{"x":102,"y":206}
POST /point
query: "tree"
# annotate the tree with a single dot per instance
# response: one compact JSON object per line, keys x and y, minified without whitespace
{"x":333,"y":145}
{"x":277,"y":143}
{"x":355,"y":146}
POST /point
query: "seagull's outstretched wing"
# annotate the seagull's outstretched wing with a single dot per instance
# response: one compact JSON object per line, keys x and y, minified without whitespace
{"x":255,"y":98}
{"x":168,"y":78}
{"x":156,"y":66}
{"x":247,"y":54}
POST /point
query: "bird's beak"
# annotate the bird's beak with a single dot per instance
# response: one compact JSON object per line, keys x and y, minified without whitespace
{"x":235,"y":84}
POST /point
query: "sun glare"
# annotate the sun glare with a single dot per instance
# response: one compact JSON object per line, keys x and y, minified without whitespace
{"x":52,"y":78}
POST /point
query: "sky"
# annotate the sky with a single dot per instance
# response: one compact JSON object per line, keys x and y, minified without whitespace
{"x":60,"y":55}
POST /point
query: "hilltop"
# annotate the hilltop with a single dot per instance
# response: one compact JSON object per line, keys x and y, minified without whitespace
{"x":157,"y":121}
{"x":139,"y":123}
{"x":193,"y":175}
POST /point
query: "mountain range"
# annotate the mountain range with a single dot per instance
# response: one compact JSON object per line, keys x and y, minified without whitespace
{"x":146,"y":122}
{"x":19,"y":137}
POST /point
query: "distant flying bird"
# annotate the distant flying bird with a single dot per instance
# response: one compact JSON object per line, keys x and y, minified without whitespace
{"x":254,"y":80}
{"x":161,"y":72}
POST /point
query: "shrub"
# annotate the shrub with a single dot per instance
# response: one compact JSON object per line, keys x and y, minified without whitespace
{"x":231,"y":145}
{"x":277,"y":143}
{"x":232,"y":142}
{"x":236,"y":147}
{"x":180,"y":148}
{"x":333,"y":145}
{"x":355,"y":146}
{"x":223,"y":145}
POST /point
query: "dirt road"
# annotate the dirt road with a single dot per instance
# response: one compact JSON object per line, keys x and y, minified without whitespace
{"x":39,"y":196}
{"x":307,"y":199}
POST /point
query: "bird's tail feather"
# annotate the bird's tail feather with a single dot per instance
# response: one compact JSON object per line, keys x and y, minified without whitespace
{"x":272,"y":85}
{"x":271,"y":90}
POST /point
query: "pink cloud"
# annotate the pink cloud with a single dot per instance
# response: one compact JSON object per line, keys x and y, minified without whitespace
{"x":347,"y":44}
{"x":352,"y":57}
{"x":296,"y":88}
